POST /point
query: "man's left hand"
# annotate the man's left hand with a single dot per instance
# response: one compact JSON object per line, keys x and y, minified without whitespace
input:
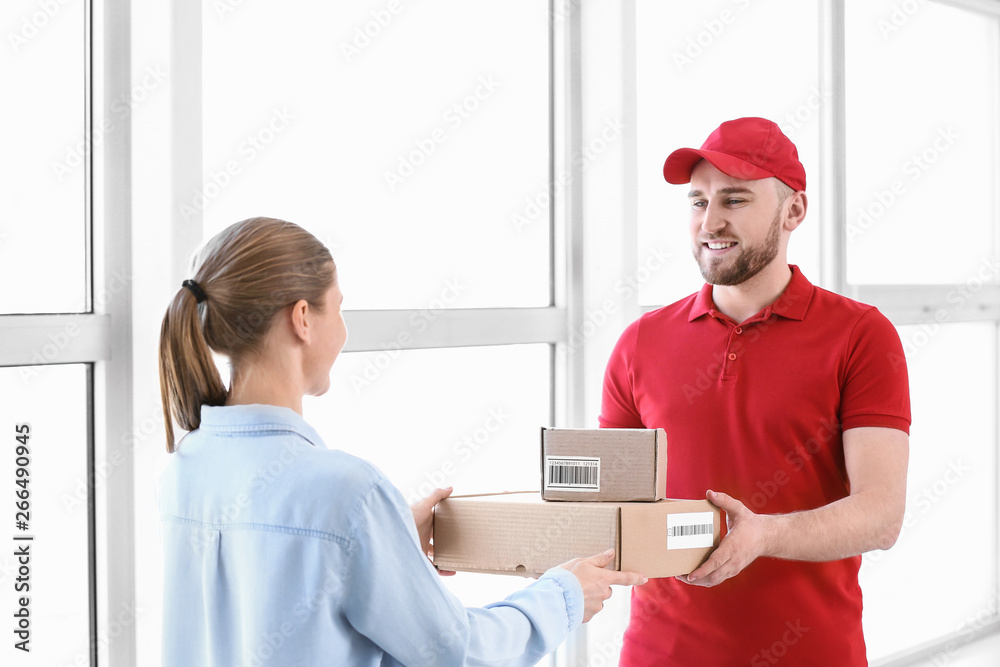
{"x":745,"y":541}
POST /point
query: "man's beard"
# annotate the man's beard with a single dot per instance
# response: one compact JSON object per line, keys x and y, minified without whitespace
{"x":749,"y":262}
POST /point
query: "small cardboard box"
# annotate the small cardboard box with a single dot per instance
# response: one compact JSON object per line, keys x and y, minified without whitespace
{"x":605,"y":464}
{"x":519,"y":533}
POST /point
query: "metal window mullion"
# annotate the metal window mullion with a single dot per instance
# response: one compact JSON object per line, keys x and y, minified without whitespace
{"x":833,"y":147}
{"x":989,"y":7}
{"x":376,"y":330}
{"x":38,"y":340}
{"x":937,"y":304}
{"x":567,"y":234}
{"x":186,"y":136}
{"x":996,"y":463}
{"x":114,"y":508}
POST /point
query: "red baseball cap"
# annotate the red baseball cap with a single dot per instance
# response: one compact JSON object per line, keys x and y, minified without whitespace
{"x":745,"y":148}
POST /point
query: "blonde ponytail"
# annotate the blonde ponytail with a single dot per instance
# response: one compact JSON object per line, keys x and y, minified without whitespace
{"x":246,"y":273}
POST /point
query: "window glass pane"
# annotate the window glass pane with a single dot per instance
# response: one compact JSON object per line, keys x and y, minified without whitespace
{"x":412,"y":140}
{"x":52,"y":401}
{"x":921,"y":141}
{"x":687,"y":84}
{"x":42,"y":229}
{"x":942,"y":571}
{"x":462,"y":417}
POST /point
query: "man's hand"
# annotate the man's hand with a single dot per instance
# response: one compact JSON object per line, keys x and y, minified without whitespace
{"x":423,"y":516}
{"x":745,"y":541}
{"x":596,"y":581}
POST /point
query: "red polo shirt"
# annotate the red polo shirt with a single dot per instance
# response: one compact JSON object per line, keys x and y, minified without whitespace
{"x":756,"y":410}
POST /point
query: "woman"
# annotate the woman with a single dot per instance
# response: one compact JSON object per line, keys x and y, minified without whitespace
{"x":279,"y":551}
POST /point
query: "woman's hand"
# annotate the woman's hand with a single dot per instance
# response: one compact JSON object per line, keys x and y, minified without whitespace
{"x":423,"y":516}
{"x":596,"y":581}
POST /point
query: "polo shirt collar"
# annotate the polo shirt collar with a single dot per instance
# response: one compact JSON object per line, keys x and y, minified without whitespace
{"x":257,"y":418}
{"x":792,"y":304}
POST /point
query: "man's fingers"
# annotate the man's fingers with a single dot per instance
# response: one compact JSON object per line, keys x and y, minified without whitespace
{"x":723,"y":501}
{"x":718,"y":558}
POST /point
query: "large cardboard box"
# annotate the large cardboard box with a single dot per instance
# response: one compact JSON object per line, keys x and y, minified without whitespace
{"x":605,"y":464}
{"x":519,"y":533}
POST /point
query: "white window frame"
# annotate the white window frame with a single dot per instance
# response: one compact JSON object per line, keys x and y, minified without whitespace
{"x":102,"y":335}
{"x":902,"y":304}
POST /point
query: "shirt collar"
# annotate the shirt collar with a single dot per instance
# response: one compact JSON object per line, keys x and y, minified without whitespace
{"x":245,"y":419}
{"x":792,"y":304}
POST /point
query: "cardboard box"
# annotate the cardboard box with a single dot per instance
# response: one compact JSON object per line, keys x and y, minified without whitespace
{"x":519,"y":533}
{"x":604,"y":464}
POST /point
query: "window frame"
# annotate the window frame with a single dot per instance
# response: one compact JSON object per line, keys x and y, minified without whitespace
{"x":101,"y":336}
{"x":902,"y":304}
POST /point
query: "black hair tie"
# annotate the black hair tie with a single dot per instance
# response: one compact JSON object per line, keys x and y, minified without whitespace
{"x":196,"y":289}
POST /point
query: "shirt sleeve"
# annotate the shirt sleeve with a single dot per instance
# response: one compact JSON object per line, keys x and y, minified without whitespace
{"x":395,"y":598}
{"x":876,"y":389}
{"x":618,"y":405}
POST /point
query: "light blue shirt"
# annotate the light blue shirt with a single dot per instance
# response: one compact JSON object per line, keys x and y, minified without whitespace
{"x":279,"y":551}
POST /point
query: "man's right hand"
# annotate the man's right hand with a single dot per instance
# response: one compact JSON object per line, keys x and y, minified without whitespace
{"x":596,"y":581}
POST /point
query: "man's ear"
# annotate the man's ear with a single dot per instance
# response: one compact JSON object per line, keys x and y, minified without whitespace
{"x":797,"y":204}
{"x":299,"y":317}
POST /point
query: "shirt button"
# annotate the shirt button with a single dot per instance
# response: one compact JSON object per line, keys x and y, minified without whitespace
{"x":732,"y":356}
{"x":739,"y":330}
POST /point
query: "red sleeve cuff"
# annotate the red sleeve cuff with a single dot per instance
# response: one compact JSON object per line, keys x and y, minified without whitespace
{"x":880,"y":421}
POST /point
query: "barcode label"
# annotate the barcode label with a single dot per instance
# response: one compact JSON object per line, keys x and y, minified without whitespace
{"x":572,"y":474}
{"x":692,"y":530}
